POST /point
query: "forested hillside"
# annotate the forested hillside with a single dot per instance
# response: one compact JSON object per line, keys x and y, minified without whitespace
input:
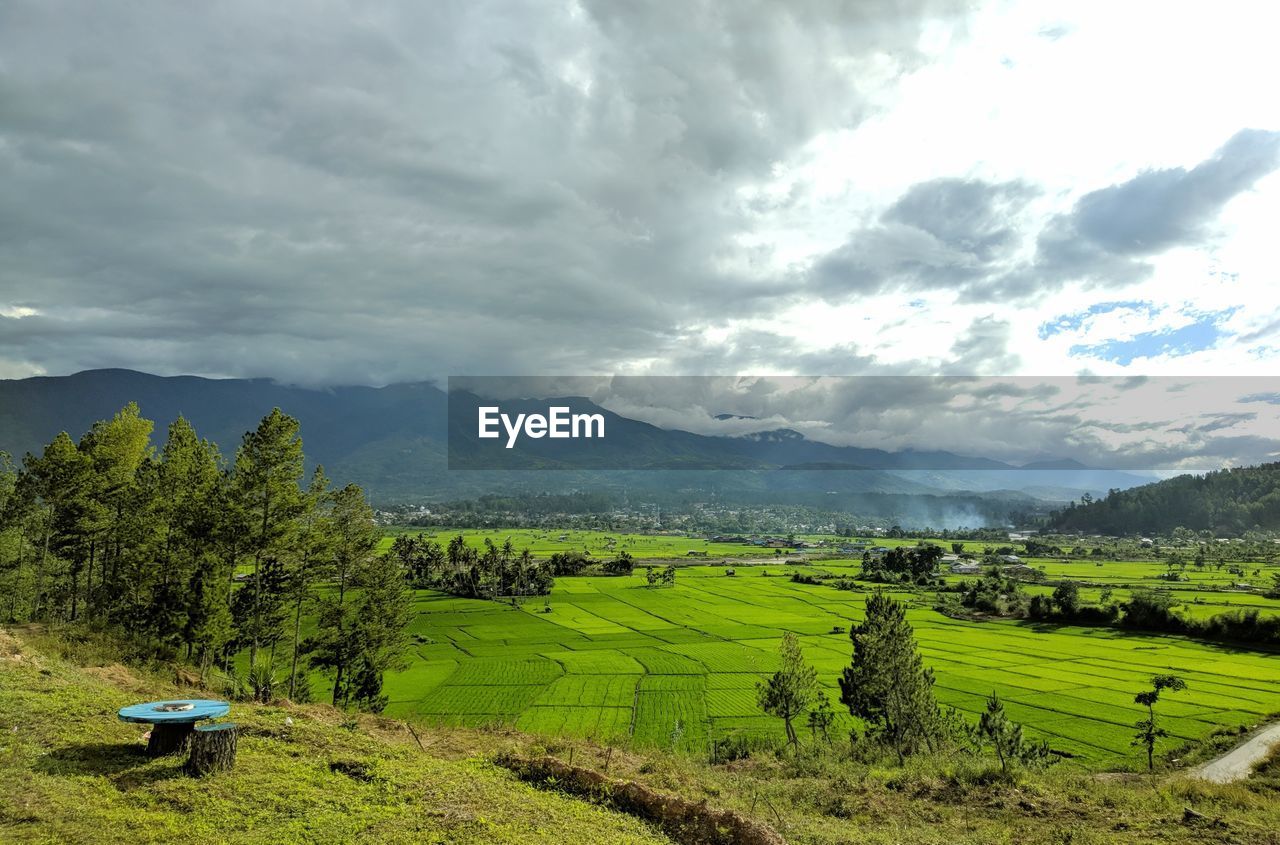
{"x":1226,"y":502}
{"x":190,"y":554}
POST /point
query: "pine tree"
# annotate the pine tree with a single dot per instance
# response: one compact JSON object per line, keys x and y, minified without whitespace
{"x":13,"y":520}
{"x":268,"y":470}
{"x":187,"y":481}
{"x":335,"y":646}
{"x":791,"y":689}
{"x":382,"y":614}
{"x":821,"y":717}
{"x":260,"y":616}
{"x":62,"y":479}
{"x":1005,"y":736}
{"x":886,"y":683}
{"x":315,"y":548}
{"x":116,"y":521}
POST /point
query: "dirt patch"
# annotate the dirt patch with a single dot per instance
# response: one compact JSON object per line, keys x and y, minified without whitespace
{"x":687,"y":822}
{"x":10,"y":648}
{"x":185,"y":677}
{"x":117,"y":675}
{"x":354,"y":769}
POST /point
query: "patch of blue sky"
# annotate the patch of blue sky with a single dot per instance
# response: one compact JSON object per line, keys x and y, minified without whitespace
{"x":1074,"y":322}
{"x":1202,"y":333}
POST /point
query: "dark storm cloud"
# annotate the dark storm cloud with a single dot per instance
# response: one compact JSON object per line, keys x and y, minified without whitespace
{"x":371,"y":193}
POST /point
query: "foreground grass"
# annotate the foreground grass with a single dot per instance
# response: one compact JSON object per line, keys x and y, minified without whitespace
{"x":70,"y":772}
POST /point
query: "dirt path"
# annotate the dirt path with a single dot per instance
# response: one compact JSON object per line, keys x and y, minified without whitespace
{"x":1237,"y":764}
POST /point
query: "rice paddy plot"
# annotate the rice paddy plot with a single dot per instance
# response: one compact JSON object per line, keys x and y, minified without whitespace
{"x":671,"y":713}
{"x":677,"y":667}
{"x":590,"y":691}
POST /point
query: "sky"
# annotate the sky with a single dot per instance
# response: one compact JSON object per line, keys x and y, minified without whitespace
{"x":352,"y":193}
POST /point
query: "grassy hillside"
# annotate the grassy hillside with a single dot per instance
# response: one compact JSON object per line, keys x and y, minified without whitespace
{"x":70,"y":772}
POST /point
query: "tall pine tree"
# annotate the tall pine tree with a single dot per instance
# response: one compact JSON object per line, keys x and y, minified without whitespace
{"x":886,"y":683}
{"x":268,"y":471}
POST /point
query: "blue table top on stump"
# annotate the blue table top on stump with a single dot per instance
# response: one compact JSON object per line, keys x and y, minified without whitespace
{"x":168,"y":712}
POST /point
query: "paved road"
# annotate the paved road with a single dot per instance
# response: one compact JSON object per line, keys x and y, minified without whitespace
{"x":1237,"y":764}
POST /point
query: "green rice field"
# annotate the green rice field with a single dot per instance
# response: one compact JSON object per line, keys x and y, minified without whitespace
{"x":676,"y":667}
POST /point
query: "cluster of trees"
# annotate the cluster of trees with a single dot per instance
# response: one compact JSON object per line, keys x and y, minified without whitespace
{"x":994,"y":593}
{"x":1226,"y":502}
{"x":575,"y":563}
{"x":495,"y":572}
{"x":1145,"y":610}
{"x":1153,"y":610}
{"x":904,"y":564}
{"x":1065,"y":605}
{"x":664,"y":577}
{"x":188,"y":554}
{"x":887,"y":687}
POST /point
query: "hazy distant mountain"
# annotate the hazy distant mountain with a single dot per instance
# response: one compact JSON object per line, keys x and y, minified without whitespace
{"x":380,"y":435}
{"x":393,"y":441}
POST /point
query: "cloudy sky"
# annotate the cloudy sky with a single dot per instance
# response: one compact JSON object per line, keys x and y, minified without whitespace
{"x":338,"y":192}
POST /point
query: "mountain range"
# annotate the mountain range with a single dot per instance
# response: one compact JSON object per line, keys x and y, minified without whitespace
{"x":394,"y":441}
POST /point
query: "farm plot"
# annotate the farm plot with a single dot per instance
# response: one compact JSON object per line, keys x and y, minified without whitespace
{"x":671,"y":712}
{"x":677,"y":667}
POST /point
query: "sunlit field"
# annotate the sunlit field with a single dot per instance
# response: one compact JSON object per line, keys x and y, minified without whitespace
{"x":676,"y":667}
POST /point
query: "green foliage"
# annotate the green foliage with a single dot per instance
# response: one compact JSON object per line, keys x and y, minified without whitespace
{"x":1067,"y":597}
{"x":791,"y":689}
{"x":1006,"y":738}
{"x":994,"y":727}
{"x":821,"y":717}
{"x":336,"y":647}
{"x":107,"y":532}
{"x":265,"y":486}
{"x":664,"y":577}
{"x":1149,"y":729}
{"x":1225,"y":502}
{"x":902,"y":563}
{"x":623,"y":564}
{"x":886,"y":683}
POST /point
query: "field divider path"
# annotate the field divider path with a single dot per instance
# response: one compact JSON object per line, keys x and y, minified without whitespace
{"x":635,"y":706}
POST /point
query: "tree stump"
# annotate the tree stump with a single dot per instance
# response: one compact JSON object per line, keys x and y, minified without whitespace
{"x":213,"y":749}
{"x":168,"y":738}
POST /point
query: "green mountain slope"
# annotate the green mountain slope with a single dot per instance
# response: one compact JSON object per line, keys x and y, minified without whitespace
{"x":1225,"y":502}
